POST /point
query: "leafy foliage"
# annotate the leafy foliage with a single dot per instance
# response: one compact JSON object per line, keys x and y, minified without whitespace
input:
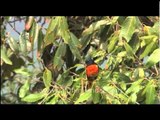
{"x":125,"y":48}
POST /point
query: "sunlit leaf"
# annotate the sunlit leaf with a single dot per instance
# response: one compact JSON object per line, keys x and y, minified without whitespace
{"x":54,"y":100}
{"x":74,"y":44}
{"x":105,"y":78}
{"x":150,"y":93}
{"x":141,"y":72}
{"x":95,"y":26}
{"x":133,"y":97}
{"x":23,"y":71}
{"x":65,"y":36}
{"x":13,"y":44}
{"x":95,"y":95}
{"x":85,"y":40}
{"x":111,"y":90}
{"x":123,"y":86}
{"x":51,"y":31}
{"x":128,"y":27}
{"x":147,"y":39}
{"x":64,"y":32}
{"x":99,"y":55}
{"x":84,"y":96}
{"x":148,"y":49}
{"x":153,"y":58}
{"x":128,"y":49}
{"x":135,"y":87}
{"x":112,"y":42}
{"x":4,"y":56}
{"x":47,"y":77}
{"x":121,"y":77}
{"x":154,"y":30}
{"x":123,"y":98}
{"x":36,"y":96}
{"x":24,"y":89}
{"x":33,"y":97}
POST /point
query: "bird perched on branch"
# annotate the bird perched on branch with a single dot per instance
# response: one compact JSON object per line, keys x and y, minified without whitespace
{"x":92,"y":70}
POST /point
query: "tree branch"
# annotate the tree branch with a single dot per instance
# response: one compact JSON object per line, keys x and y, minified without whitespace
{"x":13,"y":28}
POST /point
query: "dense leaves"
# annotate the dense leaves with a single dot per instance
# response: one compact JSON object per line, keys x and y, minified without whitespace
{"x":45,"y":64}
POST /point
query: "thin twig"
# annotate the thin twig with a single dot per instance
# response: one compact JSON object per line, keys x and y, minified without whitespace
{"x":13,"y":28}
{"x":17,"y":20}
{"x":156,"y":69}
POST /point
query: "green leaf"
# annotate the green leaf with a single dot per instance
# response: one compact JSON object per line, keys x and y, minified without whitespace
{"x":148,"y":49}
{"x":13,"y":44}
{"x":105,"y":78}
{"x":150,"y":93}
{"x":63,"y":23}
{"x":98,"y":54}
{"x":147,"y":39}
{"x":121,"y":77}
{"x":135,"y":87}
{"x":121,"y":19}
{"x":135,"y":42}
{"x":54,"y":100}
{"x":123,"y":85}
{"x":87,"y":33}
{"x":95,"y":95}
{"x":133,"y":97}
{"x":34,"y":33}
{"x":128,"y":27}
{"x":47,"y":77}
{"x":75,"y":41}
{"x":154,"y":30}
{"x":115,"y":19}
{"x":123,"y":98}
{"x":128,"y":49}
{"x":112,"y":42}
{"x":51,"y":31}
{"x":85,"y":40}
{"x":23,"y":42}
{"x":153,"y":58}
{"x":23,"y":71}
{"x":74,"y":44}
{"x":40,"y":40}
{"x":120,"y":56}
{"x":65,"y":79}
{"x":141,"y":72}
{"x":66,"y":36}
{"x":24,"y":89}
{"x":95,"y":26}
{"x":36,"y":96}
{"x":52,"y":25}
{"x":84,"y":96}
{"x":4,"y":55}
{"x":64,"y":32}
{"x":58,"y":61}
{"x":110,"y":89}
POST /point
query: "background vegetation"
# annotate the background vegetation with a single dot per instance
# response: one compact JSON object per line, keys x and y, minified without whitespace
{"x":46,"y":64}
